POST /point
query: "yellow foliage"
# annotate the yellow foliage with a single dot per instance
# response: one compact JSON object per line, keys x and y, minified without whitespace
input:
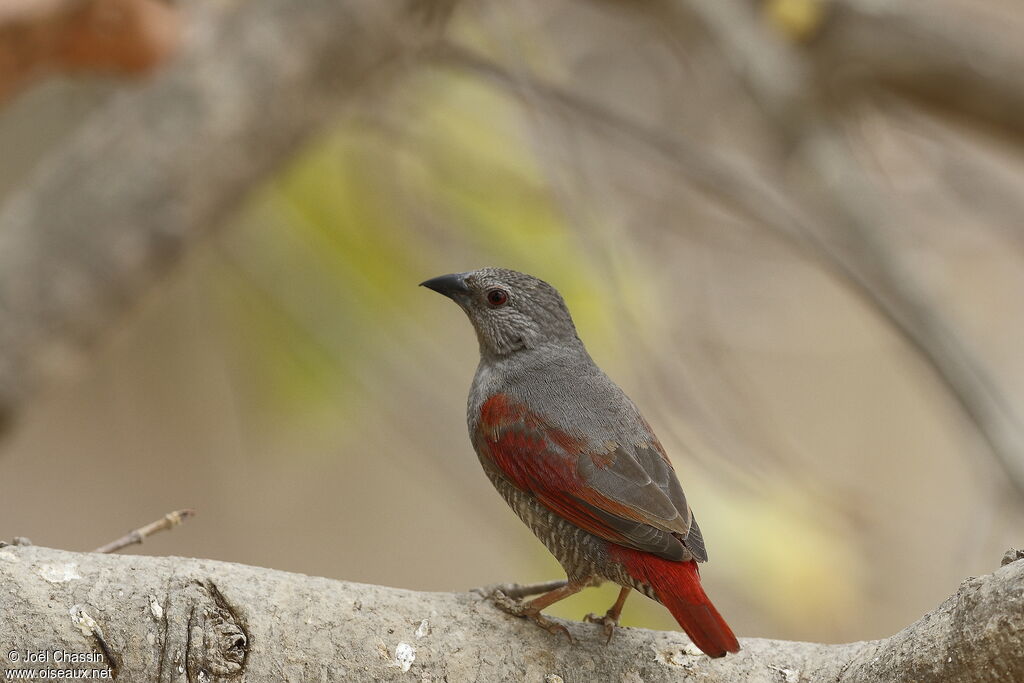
{"x":799,"y":20}
{"x":798,"y":568}
{"x":321,"y":282}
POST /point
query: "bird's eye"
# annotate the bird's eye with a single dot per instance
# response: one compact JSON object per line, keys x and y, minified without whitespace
{"x":497,"y":297}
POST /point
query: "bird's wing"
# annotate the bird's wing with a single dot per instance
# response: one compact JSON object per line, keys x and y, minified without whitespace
{"x":627,"y":493}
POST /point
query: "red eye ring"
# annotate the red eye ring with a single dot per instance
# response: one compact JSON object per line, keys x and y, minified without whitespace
{"x":497,"y":297}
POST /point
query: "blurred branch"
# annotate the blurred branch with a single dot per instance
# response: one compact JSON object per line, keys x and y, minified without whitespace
{"x":861,"y":254}
{"x":963,"y":62}
{"x":730,"y":183}
{"x":227,"y":620}
{"x":165,"y":523}
{"x":40,"y":36}
{"x":977,"y":178}
{"x":856,"y":230}
{"x":117,"y":206}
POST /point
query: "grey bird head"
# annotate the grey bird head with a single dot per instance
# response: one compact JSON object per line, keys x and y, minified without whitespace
{"x":510,"y":311}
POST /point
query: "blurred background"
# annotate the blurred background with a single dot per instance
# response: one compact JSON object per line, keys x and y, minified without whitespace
{"x":818,"y":303}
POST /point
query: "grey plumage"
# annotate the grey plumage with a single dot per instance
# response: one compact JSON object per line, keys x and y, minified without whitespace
{"x":572,"y":456}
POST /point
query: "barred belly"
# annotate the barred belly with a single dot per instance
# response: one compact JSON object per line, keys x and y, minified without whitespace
{"x":583,"y":556}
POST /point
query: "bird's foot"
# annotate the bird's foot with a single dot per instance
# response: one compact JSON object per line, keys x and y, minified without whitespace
{"x":521,"y":590}
{"x":520,"y":608}
{"x":609,"y":621}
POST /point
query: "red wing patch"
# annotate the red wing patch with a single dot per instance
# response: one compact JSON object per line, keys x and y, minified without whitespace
{"x":541,"y":459}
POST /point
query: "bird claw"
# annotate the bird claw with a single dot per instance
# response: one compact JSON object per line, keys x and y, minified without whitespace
{"x":519,"y":590}
{"x":552,"y":627}
{"x":515,"y":607}
{"x":609,"y":621}
{"x":519,"y":608}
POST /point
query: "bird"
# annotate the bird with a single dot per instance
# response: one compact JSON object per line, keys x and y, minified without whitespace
{"x":576,"y":461}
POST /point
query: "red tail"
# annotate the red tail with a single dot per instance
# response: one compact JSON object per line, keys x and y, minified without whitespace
{"x":677,"y":585}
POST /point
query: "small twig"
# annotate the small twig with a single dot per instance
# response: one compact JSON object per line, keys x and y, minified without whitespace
{"x":165,"y":523}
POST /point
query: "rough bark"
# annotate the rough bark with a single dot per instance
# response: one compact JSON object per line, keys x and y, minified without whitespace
{"x":176,"y":619}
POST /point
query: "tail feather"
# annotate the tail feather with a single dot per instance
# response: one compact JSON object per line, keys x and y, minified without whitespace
{"x":677,"y":586}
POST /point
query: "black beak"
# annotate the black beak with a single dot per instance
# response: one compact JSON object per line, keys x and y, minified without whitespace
{"x":449,"y":285}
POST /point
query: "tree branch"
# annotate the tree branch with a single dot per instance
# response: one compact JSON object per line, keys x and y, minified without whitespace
{"x":169,"y":619}
{"x":857,"y":250}
{"x":165,"y":523}
{"x":967,"y":63}
{"x":163,"y":164}
{"x":856,"y":226}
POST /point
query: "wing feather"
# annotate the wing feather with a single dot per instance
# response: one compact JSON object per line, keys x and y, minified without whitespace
{"x":627,"y":494}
